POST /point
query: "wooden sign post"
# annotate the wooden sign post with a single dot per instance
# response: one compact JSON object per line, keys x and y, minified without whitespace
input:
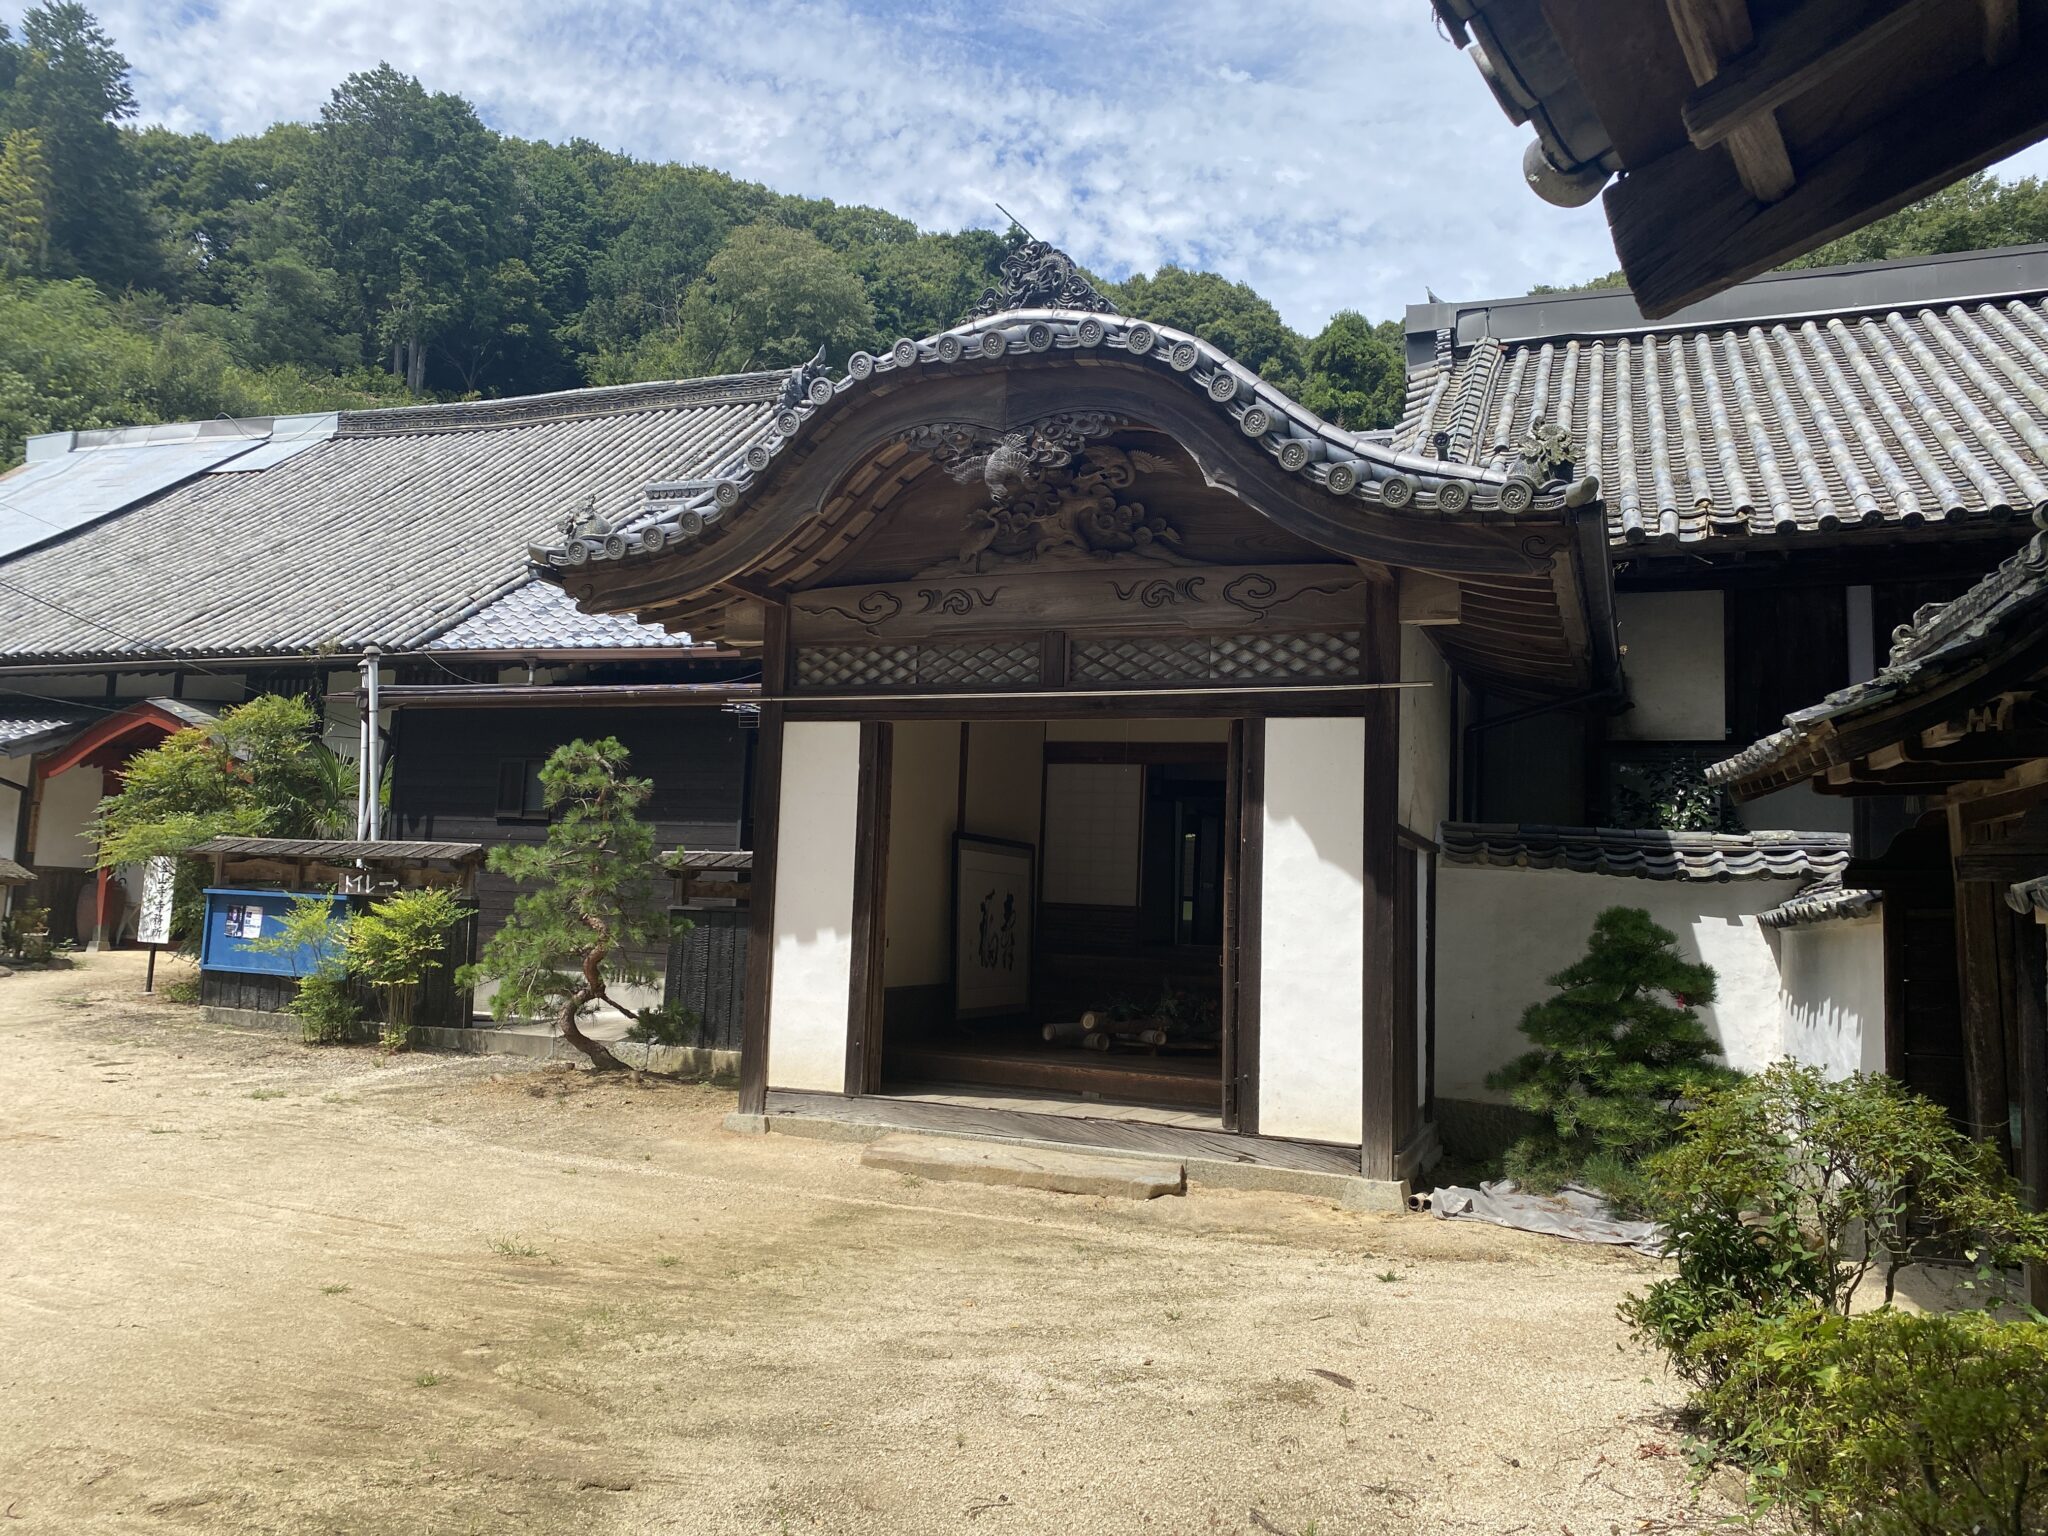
{"x":153,"y":924}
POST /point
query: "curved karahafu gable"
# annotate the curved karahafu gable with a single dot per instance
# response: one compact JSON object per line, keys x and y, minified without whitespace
{"x":1043,"y":398}
{"x":1346,"y":466}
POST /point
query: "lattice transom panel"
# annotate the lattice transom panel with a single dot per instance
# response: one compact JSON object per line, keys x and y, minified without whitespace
{"x":1307,"y":656}
{"x":962,"y":664}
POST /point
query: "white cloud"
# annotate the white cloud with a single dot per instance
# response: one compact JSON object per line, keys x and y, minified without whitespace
{"x":1331,"y":153}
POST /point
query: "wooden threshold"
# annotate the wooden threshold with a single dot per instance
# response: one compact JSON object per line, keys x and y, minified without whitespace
{"x":1067,"y":1130}
{"x":1178,"y":1082}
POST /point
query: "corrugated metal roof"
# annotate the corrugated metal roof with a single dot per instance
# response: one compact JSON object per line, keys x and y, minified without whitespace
{"x":402,"y":526}
{"x":1647,"y":855}
{"x":289,"y":435}
{"x":54,"y":494}
{"x":543,"y":616}
{"x":1889,"y":419}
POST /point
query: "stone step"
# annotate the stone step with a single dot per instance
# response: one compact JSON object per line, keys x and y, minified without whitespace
{"x":994,"y":1162}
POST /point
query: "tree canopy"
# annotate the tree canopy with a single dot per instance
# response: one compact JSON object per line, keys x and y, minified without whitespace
{"x":400,"y":248}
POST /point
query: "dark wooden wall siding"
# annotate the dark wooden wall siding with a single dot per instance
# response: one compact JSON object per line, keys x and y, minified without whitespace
{"x":446,"y":767}
{"x":707,"y":966}
{"x":1787,"y":648}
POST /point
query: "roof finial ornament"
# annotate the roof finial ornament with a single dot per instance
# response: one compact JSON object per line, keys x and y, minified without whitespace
{"x":583,"y":521}
{"x":1037,"y":276}
{"x":1545,"y":454}
{"x":796,"y":389}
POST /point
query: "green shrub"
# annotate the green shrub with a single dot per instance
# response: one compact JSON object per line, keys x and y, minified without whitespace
{"x":184,"y":990}
{"x":326,"y":1007}
{"x":1616,"y":1051}
{"x":310,"y":935}
{"x":1888,"y":1422}
{"x":395,"y":945}
{"x":1786,"y":1190}
{"x":26,"y":933}
{"x":666,"y":1025}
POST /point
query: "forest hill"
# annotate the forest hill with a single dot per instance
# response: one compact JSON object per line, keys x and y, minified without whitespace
{"x":400,"y":247}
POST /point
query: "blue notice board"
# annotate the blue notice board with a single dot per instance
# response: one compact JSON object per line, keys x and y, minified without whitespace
{"x":234,"y":917}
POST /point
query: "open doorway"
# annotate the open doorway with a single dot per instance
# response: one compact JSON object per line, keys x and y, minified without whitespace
{"x":1056,"y":916}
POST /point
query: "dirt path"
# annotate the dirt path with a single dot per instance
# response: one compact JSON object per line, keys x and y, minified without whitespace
{"x":251,"y":1287}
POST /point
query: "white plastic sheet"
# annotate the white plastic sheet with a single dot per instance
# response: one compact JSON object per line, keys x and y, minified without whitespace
{"x":1574,"y":1212}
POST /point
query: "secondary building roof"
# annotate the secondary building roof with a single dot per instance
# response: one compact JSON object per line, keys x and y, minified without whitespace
{"x":397,"y":528}
{"x":540,"y":616}
{"x":1952,"y":658}
{"x":386,"y":852}
{"x":1827,"y":900}
{"x":29,"y":725}
{"x":1648,"y":855}
{"x":1882,"y":397}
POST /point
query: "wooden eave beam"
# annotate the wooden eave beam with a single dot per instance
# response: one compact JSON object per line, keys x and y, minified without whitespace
{"x":1993,"y":749}
{"x":2001,"y":30}
{"x":1685,"y":226}
{"x":1428,"y":599}
{"x":1804,"y":48}
{"x":1711,"y":32}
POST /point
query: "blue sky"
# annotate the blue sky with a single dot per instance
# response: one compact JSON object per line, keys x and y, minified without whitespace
{"x":1332,"y":153}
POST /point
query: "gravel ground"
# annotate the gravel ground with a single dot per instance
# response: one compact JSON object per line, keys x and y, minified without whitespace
{"x":247,"y":1286}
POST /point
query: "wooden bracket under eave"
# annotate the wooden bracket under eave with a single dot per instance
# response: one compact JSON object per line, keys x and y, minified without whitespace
{"x":1710,"y":31}
{"x":742,"y":624}
{"x":1426,"y":598}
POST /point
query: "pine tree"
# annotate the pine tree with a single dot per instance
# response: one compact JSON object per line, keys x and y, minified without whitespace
{"x":594,"y":897}
{"x":1617,"y":1047}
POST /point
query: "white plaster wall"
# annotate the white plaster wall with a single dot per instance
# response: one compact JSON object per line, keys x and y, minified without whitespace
{"x":1833,"y":994}
{"x":68,"y":801}
{"x":1675,"y":666}
{"x":16,"y":770}
{"x":62,"y":685}
{"x":924,"y":769}
{"x":1425,"y":734}
{"x":1312,"y":931}
{"x":1005,"y":768}
{"x":812,"y":957}
{"x":1505,"y":930}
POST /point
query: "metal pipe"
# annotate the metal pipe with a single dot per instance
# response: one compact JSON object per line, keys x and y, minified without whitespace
{"x":362,"y":758}
{"x":987,"y":694}
{"x":373,"y":676}
{"x":397,"y":696}
{"x":202,"y":661}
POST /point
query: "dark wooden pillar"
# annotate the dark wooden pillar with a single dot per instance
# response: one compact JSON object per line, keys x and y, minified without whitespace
{"x":2031,"y":955}
{"x":103,"y":877}
{"x":870,"y":887}
{"x":1379,"y":1126}
{"x":761,"y":890}
{"x":1983,"y":933}
{"x":1244,"y":834}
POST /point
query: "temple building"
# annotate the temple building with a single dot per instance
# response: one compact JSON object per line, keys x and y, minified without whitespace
{"x":1121,"y":754}
{"x":1129,"y":736}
